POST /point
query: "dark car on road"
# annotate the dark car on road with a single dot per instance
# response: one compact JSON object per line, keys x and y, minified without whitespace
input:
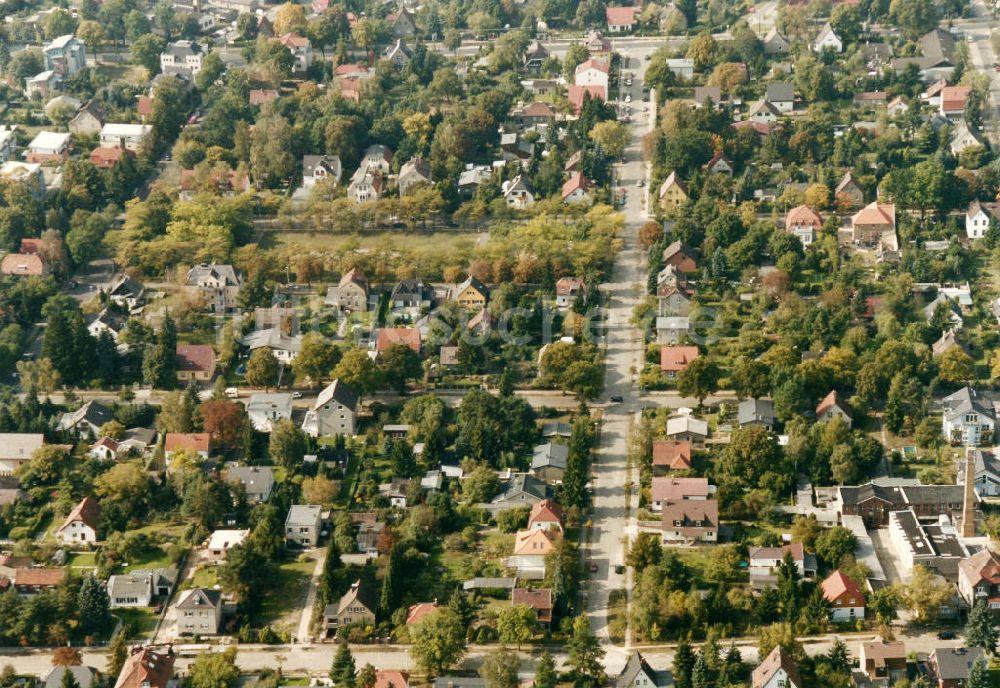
{"x":946,"y":635}
{"x":617,"y":399}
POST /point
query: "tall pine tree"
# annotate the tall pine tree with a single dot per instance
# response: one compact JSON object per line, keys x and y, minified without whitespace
{"x":94,"y":606}
{"x":343,"y":670}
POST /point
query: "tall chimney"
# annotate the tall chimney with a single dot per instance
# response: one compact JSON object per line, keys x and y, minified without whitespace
{"x":969,"y":500}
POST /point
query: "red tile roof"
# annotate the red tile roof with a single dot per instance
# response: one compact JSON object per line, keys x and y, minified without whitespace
{"x":838,"y":585}
{"x":621,"y":16}
{"x":803,"y":216}
{"x":678,"y":489}
{"x":676,"y":358}
{"x":22,"y":264}
{"x":577,"y":181}
{"x":146,"y":668}
{"x":88,"y":512}
{"x":106,"y":157}
{"x":44,"y":578}
{"x":407,"y":336}
{"x":195,"y":441}
{"x":536,"y":598}
{"x":195,"y":357}
{"x":293,"y":40}
{"x":953,"y":98}
{"x":576,"y":94}
{"x":416,"y":612}
{"x":673,"y":454}
{"x":259,"y":96}
{"x":391,"y":679}
{"x":545,"y":511}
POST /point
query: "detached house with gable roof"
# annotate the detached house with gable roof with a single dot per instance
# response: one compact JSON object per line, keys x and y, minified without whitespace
{"x":979,"y":579}
{"x":638,"y":674}
{"x":531,"y":547}
{"x":199,"y":612}
{"x":333,"y":413}
{"x":147,"y":667}
{"x":832,"y":406}
{"x":82,"y":524}
{"x":846,"y":600}
{"x":967,"y":418}
{"x":301,"y":50}
{"x":978,"y":218}
{"x":778,"y":670}
{"x":356,"y":606}
{"x":804,"y":222}
{"x":303,"y":524}
{"x":218,"y":285}
{"x":875,"y":226}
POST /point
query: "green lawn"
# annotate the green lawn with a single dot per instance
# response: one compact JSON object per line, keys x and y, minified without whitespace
{"x":288,"y":594}
{"x":141,"y":621}
{"x":79,"y":560}
{"x":151,"y":558}
{"x":205,"y":577}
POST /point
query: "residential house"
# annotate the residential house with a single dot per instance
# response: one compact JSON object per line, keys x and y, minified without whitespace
{"x":398,"y":53}
{"x":869,"y":100}
{"x":778,"y":670}
{"x":126,"y":293}
{"x":257,"y":481}
{"x":195,"y":362}
{"x":65,"y":55}
{"x":764,"y":563}
{"x":673,"y":192}
{"x":576,"y":95}
{"x":88,"y":121}
{"x":368,"y":536}
{"x":576,"y":189}
{"x":967,"y":418}
{"x":29,"y":581}
{"x":471,"y":294}
{"x":621,"y":19}
{"x":303,"y":524}
{"x":352,"y":291}
{"x":402,"y":23}
{"x":682,"y":67}
{"x":416,"y":613}
{"x":832,"y":406}
{"x":946,"y":342}
{"x":146,"y":667}
{"x":827,"y":39}
{"x":775,"y":43}
{"x":334,"y":412}
{"x":949,"y":667}
{"x":848,"y":190}
{"x":953,"y":100}
{"x":684,"y":427}
{"x":756,"y":412}
{"x":549,"y":461}
{"x":671,"y":329}
{"x":198,"y":442}
{"x":518,"y":193}
{"x":781,"y":94}
{"x":568,"y":289}
{"x":366,"y":185}
{"x":719,"y":164}
{"x":538,"y":600}
{"x":882,"y":661}
{"x":199,"y":612}
{"x":107,"y":321}
{"x":691,"y":521}
{"x":674,"y":359}
{"x":986,"y":472}
{"x":531,"y":547}
{"x":522,"y":490}
{"x":301,"y":50}
{"x":262,"y":96}
{"x":378,"y":156}
{"x":638,"y":674}
{"x":763,"y":112}
{"x":316,"y":168}
{"x":670,"y":490}
{"x":671,"y":455}
{"x":897,"y":106}
{"x":43,"y":85}
{"x":31,"y":176}
{"x":49,"y":146}
{"x":414,"y":173}
{"x":963,"y":137}
{"x":875,"y":500}
{"x":411,"y":297}
{"x":952,"y":314}
{"x":183,"y":57}
{"x":593,"y":72}
{"x":219,"y":542}
{"x":401,"y":336}
{"x":979,"y":579}
{"x":88,"y":418}
{"x":596,"y":43}
{"x":82,"y":524}
{"x":126,"y":136}
{"x":536,"y":114}
{"x":546,"y":515}
{"x":357,"y":606}
{"x":875,"y":225}
{"x":846,"y":600}
{"x":82,"y":676}
{"x":24,"y":265}
{"x":710,"y":96}
{"x":804,"y":222}
{"x":16,"y":448}
{"x":107,"y":158}
{"x":218,"y":285}
{"x":395,"y":492}
{"x":978,"y":218}
{"x":391,"y":679}
{"x":283,"y":347}
{"x":535,"y":56}
{"x":264,"y":410}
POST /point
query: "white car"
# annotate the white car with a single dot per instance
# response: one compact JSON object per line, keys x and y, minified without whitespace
{"x":628,"y":82}
{"x":639,"y":182}
{"x":628,"y":97}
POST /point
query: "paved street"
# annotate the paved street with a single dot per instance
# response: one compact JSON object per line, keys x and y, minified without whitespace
{"x":981,"y":52}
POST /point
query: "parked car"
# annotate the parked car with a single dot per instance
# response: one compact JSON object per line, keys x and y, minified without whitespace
{"x":946,"y":635}
{"x":617,"y":399}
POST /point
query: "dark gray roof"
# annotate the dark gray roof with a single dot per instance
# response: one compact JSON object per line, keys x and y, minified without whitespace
{"x":964,"y":401}
{"x":523,"y":483}
{"x":938,"y":47}
{"x":84,"y":676}
{"x":637,"y":663}
{"x":955,"y":663}
{"x":550,"y":454}
{"x":197,"y":598}
{"x":782,"y":91}
{"x":460,"y":682}
{"x":756,"y":411}
{"x":413,"y":287}
{"x":338,"y":391}
{"x":256,"y":480}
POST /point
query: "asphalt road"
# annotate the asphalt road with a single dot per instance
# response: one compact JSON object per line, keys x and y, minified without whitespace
{"x":981,"y":51}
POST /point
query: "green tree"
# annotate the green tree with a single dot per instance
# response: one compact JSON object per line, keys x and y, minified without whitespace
{"x":914,"y":17}
{"x":499,"y":668}
{"x":438,"y":641}
{"x":146,"y":52}
{"x":316,"y":359}
{"x":343,"y":671}
{"x":979,"y":675}
{"x":585,"y":653}
{"x":288,"y":444}
{"x":611,"y":136}
{"x":683,"y":665}
{"x":399,"y":365}
{"x":925,"y":594}
{"x":358,"y":370}
{"x":833,"y":544}
{"x":117,"y":652}
{"x":956,"y":367}
{"x":517,"y":624}
{"x":980,"y":630}
{"x":699,"y":379}
{"x":95,"y":608}
{"x":575,"y":54}
{"x":545,"y":671}
{"x":262,"y":369}
{"x":214,"y":670}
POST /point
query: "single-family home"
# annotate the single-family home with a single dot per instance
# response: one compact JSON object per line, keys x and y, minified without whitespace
{"x":198,"y":442}
{"x":638,"y":674}
{"x":352,"y":291}
{"x":30,"y":175}
{"x":682,"y":67}
{"x":978,"y":218}
{"x":596,"y":43}
{"x":366,"y":185}
{"x":967,"y":418}
{"x":684,"y":427}
{"x":30,"y":581}
{"x":411,"y":297}
{"x":183,"y":57}
{"x":535,"y":56}
{"x":284,"y":347}
{"x":953,"y":100}
{"x":414,"y":173}
{"x":218,"y":285}
{"x":357,"y":606}
{"x":16,"y":448}
{"x":804,"y":222}
{"x":108,"y":321}
{"x":24,"y":264}
{"x":65,"y":55}
{"x":986,"y":471}
{"x":264,"y":410}
{"x":756,"y":412}
{"x":538,"y":600}
{"x":883,"y":661}
{"x":673,"y":192}
{"x":577,"y":94}
{"x":301,"y":50}
{"x":949,"y":667}
{"x":416,"y":613}
{"x":147,"y":667}
{"x":43,"y":85}
{"x":674,"y":359}
{"x":49,"y":146}
{"x":82,"y":676}
{"x":471,"y":293}
{"x":710,"y":96}
{"x":576,"y":189}
{"x":846,"y":600}
{"x":670,"y":455}
{"x":219,"y":542}
{"x":126,"y":136}
{"x":778,"y":670}
{"x":303,"y":524}
{"x":531,"y":547}
{"x":545,"y":515}
{"x":520,"y":491}
{"x":979,"y":579}
{"x":670,"y":490}
{"x":593,"y":72}
{"x":719,"y":164}
{"x":964,"y":137}
{"x":549,"y":461}
{"x":621,"y":19}
{"x":8,"y":142}
{"x":257,"y":481}
{"x":195,"y":362}
{"x":763,"y":112}
{"x":127,"y":293}
{"x":781,"y":94}
{"x":827,"y":39}
{"x":88,"y":120}
{"x":568,"y":289}
{"x":690,"y":521}
{"x":832,"y":406}
{"x":764,"y":563}
{"x":199,"y":612}
{"x":398,"y":336}
{"x":518,"y":192}
{"x":848,"y":191}
{"x":107,"y":158}
{"x":775,"y":43}
{"x":82,"y":524}
{"x":88,"y":418}
{"x":316,"y":168}
{"x":398,"y":53}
